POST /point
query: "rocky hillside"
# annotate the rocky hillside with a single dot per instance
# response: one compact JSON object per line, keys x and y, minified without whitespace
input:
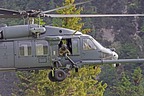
{"x":115,"y":32}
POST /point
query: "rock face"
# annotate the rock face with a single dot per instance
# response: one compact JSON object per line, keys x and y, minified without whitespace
{"x":118,"y":29}
{"x":108,"y":34}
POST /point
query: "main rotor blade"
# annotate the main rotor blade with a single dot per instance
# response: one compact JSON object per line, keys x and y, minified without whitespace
{"x":9,"y":16}
{"x":66,"y":6}
{"x":95,"y":15}
{"x":7,"y":11}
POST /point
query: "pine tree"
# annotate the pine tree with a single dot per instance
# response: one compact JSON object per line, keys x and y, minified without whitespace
{"x":129,"y":85}
{"x":137,"y":76}
{"x":75,"y":24}
{"x":83,"y":83}
{"x":71,"y":23}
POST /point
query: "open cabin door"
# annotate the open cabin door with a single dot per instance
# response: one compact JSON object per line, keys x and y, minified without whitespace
{"x":73,"y":45}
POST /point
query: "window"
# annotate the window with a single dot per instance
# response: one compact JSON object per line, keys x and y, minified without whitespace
{"x":41,"y":48}
{"x":88,"y":44}
{"x":75,"y":46}
{"x":68,"y":44}
{"x":25,"y":48}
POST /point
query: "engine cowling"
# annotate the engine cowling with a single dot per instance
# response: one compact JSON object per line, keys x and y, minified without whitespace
{"x":20,"y":31}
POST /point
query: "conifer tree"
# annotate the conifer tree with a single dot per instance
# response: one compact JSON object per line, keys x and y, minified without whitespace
{"x":86,"y":74}
{"x":83,"y":83}
{"x":129,"y":85}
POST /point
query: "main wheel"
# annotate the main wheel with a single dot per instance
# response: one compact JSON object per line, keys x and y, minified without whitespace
{"x":60,"y":75}
{"x":51,"y":77}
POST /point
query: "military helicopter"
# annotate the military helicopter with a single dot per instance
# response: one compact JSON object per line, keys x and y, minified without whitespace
{"x":35,"y":47}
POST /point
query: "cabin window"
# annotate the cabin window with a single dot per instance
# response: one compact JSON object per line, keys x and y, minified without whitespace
{"x":41,"y":48}
{"x":75,"y":46}
{"x":25,"y":49}
{"x":88,"y":44}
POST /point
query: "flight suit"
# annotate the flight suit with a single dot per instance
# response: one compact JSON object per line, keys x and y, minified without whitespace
{"x":63,"y":50}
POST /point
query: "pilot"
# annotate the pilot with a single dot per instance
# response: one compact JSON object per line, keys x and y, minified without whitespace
{"x":86,"y":46}
{"x":63,"y":50}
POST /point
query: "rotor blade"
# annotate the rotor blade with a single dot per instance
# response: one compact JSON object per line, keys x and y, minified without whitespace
{"x":7,"y":11}
{"x":94,"y":15}
{"x":122,"y":61}
{"x":9,"y":16}
{"x":66,"y":6}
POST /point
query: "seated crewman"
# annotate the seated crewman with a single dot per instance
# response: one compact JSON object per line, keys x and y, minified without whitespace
{"x":63,"y":50}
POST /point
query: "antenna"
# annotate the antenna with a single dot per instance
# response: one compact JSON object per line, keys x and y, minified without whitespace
{"x":75,"y":32}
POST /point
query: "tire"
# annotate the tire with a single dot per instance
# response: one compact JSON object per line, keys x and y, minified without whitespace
{"x":51,"y":77}
{"x":60,"y":75}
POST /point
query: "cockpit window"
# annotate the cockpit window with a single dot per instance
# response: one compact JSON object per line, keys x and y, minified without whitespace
{"x":88,"y":44}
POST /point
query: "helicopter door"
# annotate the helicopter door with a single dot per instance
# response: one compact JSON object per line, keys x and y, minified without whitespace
{"x":31,"y":53}
{"x":24,"y":56}
{"x":42,"y":53}
{"x":73,"y":45}
{"x":89,"y":50}
{"x":6,"y":55}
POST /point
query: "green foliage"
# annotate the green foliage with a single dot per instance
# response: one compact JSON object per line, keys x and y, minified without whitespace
{"x":39,"y":21}
{"x":78,"y":84}
{"x":129,"y":50}
{"x":124,"y":86}
{"x":108,"y":74}
{"x":83,"y":83}
{"x":32,"y":83}
{"x":128,"y":85}
{"x":137,"y":76}
{"x":90,"y":86}
{"x":72,"y":23}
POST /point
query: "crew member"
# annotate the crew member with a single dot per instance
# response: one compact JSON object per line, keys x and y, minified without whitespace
{"x":63,"y":50}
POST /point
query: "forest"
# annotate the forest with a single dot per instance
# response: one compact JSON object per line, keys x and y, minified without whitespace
{"x":125,"y":34}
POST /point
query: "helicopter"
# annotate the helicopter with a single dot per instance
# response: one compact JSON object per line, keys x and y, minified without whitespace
{"x":35,"y":47}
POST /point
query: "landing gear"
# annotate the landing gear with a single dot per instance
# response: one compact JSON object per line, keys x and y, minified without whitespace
{"x":51,"y":76}
{"x":57,"y":75}
{"x":60,"y":75}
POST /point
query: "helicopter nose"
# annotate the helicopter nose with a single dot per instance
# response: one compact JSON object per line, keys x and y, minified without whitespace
{"x":114,"y":55}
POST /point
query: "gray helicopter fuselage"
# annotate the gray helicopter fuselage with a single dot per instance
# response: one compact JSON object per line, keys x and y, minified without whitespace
{"x":34,"y":53}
